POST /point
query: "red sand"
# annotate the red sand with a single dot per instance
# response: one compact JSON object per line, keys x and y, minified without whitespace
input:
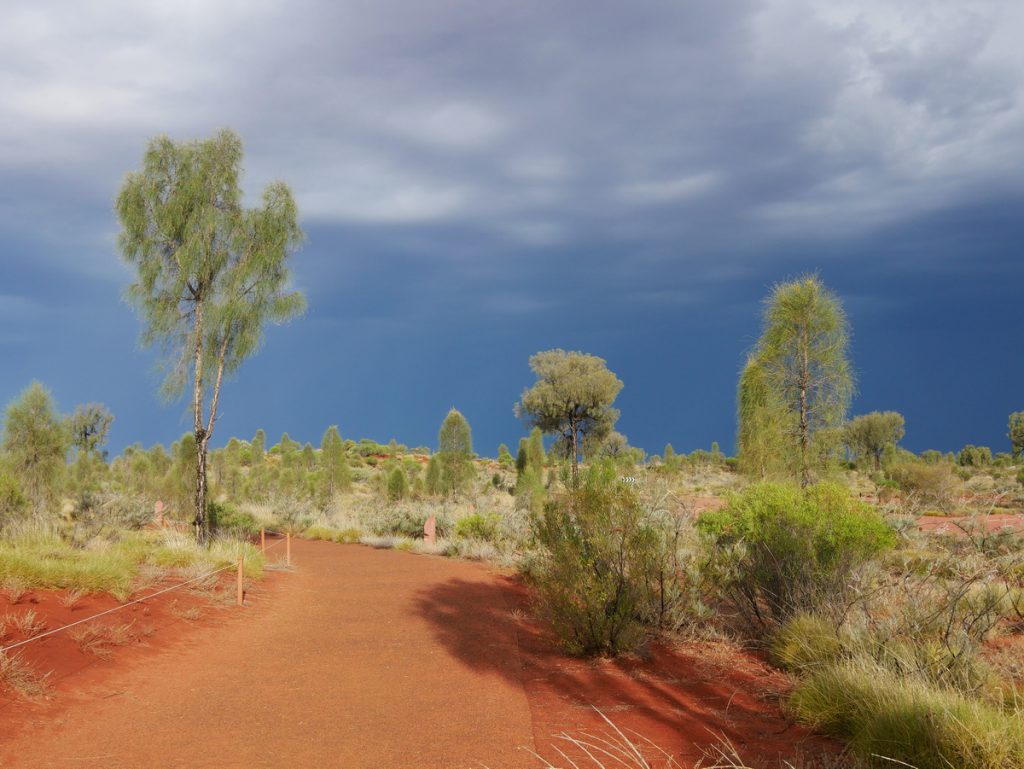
{"x":949,"y":524}
{"x":366,"y":658}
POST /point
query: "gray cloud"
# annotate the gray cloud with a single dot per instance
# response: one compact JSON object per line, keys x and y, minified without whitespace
{"x":537,"y":125}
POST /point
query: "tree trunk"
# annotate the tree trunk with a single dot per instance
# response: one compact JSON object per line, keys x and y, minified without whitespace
{"x":199,"y":430}
{"x":575,"y":455}
{"x":202,"y":529}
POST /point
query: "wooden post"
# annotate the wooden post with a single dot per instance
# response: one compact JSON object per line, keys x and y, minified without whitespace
{"x":288,"y":549}
{"x":263,"y":540}
{"x":241,"y":575}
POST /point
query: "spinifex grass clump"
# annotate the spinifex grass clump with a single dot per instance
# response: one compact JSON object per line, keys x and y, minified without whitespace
{"x":888,"y":716}
{"x":46,"y":561}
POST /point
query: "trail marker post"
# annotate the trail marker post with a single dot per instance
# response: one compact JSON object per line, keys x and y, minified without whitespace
{"x":241,"y":576}
{"x":288,"y":549}
{"x":263,"y":540}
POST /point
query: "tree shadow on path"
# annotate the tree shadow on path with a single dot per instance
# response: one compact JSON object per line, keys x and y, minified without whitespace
{"x":684,"y":699}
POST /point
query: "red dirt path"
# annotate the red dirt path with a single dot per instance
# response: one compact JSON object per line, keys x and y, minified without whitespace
{"x":366,"y":658}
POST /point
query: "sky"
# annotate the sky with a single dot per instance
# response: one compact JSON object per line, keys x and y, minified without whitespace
{"x":482,"y":181}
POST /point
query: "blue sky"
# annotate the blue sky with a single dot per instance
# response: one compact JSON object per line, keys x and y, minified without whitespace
{"x":480,"y":181}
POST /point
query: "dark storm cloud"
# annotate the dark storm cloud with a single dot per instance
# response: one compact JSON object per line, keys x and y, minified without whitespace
{"x":526,"y":164}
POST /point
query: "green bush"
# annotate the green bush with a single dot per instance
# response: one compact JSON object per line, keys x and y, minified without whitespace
{"x":407,"y":521}
{"x":907,"y":719}
{"x":778,"y":550}
{"x":13,"y":503}
{"x":595,"y":571}
{"x":482,"y":526}
{"x":226,"y":518}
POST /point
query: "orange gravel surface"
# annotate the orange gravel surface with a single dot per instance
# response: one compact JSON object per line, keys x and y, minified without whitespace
{"x":334,"y":666}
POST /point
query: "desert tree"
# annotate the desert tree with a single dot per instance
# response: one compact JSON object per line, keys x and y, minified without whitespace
{"x":763,"y":423}
{"x":432,"y":478}
{"x":258,"y":448}
{"x":398,"y":484}
{"x":1016,"y":434}
{"x":89,"y":426}
{"x":803,"y":353}
{"x":571,"y":399}
{"x":35,"y":445}
{"x":334,"y":471}
{"x":210,"y":273}
{"x":455,"y":452}
{"x":871,"y":434}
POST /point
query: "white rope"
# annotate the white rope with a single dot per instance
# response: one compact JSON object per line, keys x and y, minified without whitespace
{"x":39,"y":637}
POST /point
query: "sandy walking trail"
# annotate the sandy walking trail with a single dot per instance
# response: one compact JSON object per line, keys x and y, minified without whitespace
{"x":339,"y":665}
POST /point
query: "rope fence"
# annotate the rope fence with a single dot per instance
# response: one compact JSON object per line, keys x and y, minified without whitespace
{"x":240,"y":593}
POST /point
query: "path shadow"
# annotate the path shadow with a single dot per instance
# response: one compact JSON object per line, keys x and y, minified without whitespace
{"x":680,"y":700}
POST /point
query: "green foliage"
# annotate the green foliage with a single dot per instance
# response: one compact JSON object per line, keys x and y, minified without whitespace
{"x":407,"y":520}
{"x":335,"y":476}
{"x":505,"y":458}
{"x":210,"y":273}
{"x":763,"y":424}
{"x":572,"y":399}
{"x":1020,"y":476}
{"x":806,"y":642}
{"x":89,"y":426}
{"x":871,"y":434}
{"x":455,"y":453}
{"x":780,"y":550}
{"x":1016,"y":434}
{"x":908,"y":720}
{"x":933,"y":484}
{"x":432,"y":478}
{"x":258,"y":448}
{"x":482,"y":526}
{"x":13,"y":503}
{"x":596,"y":576}
{"x":35,"y":446}
{"x":802,"y":351}
{"x":227,"y":519}
{"x":398,"y":484}
{"x":974,"y":456}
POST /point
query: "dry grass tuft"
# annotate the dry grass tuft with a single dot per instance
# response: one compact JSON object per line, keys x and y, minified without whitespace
{"x":100,"y":640}
{"x":27,"y":624}
{"x":71,"y":598}
{"x":18,"y":676}
{"x":14,"y":589}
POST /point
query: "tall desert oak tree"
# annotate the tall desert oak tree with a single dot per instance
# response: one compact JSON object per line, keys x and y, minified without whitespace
{"x":803,"y":354}
{"x":210,"y":272}
{"x":572,"y":399}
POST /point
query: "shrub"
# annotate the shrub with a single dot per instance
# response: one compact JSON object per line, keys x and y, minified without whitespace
{"x":398,"y":485}
{"x":592,"y":574}
{"x":909,"y":720}
{"x":935,"y":483}
{"x":483,"y":526}
{"x":779,"y":551}
{"x":13,"y":503}
{"x":406,"y":520}
{"x":227,"y":519}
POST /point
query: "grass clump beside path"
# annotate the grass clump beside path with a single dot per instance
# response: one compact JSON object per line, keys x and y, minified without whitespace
{"x":887,"y":716}
{"x":43,"y":560}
